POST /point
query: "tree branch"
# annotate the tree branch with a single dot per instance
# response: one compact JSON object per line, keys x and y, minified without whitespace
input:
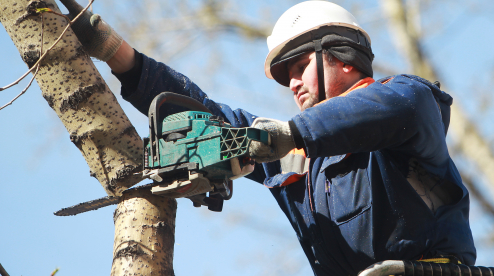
{"x":210,"y":15}
{"x":472,"y":188}
{"x":2,"y":271}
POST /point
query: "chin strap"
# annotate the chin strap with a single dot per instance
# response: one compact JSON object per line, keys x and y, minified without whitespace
{"x":320,"y":69}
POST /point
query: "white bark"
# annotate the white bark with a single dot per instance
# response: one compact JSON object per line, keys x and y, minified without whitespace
{"x":78,"y":94}
{"x":144,"y":235}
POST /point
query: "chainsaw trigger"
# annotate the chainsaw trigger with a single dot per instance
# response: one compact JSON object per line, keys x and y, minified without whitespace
{"x":240,"y":169}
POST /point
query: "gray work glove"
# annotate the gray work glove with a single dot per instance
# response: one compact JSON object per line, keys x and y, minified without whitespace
{"x":281,"y":140}
{"x":97,"y":37}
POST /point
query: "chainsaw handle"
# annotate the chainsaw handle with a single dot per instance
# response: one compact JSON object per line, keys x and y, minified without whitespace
{"x":155,"y":130}
{"x":172,"y":98}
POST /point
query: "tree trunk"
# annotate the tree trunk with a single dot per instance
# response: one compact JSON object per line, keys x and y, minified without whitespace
{"x":69,"y":81}
{"x":144,"y":235}
{"x":74,"y":88}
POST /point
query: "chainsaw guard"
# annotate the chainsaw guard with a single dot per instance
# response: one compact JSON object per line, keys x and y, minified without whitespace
{"x":197,"y":184}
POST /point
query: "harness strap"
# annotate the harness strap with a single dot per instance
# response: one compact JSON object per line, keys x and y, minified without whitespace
{"x":320,"y":69}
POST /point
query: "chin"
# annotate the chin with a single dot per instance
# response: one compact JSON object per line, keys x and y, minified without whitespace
{"x":309,"y":104}
{"x":304,"y":107}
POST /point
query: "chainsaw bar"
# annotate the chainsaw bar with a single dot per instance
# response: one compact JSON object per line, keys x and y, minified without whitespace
{"x":97,"y":203}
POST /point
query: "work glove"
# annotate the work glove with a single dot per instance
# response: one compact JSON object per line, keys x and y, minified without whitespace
{"x":281,"y":141}
{"x":97,"y":37}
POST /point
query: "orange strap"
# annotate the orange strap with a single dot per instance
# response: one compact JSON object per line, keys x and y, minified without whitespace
{"x":363,"y":83}
{"x":360,"y":84}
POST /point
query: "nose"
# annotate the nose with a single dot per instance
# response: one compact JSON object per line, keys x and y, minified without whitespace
{"x":295,"y":84}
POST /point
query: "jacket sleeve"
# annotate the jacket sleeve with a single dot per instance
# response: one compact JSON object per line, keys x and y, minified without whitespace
{"x":401,"y":115}
{"x":157,"y":77}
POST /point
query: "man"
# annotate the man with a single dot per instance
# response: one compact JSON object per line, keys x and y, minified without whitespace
{"x":363,"y":172}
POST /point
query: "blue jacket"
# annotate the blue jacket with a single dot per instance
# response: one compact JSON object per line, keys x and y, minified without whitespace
{"x":352,"y":210}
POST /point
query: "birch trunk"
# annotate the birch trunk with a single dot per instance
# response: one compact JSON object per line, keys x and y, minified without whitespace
{"x":144,"y":235}
{"x":74,"y":89}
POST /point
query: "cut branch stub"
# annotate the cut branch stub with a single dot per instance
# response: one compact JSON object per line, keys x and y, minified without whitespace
{"x":73,"y":87}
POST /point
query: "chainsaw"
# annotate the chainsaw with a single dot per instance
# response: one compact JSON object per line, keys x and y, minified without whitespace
{"x":191,"y":154}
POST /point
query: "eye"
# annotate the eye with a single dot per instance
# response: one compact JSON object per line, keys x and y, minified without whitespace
{"x":298,"y":66}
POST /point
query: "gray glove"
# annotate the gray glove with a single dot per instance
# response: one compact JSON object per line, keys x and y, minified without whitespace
{"x":281,"y":140}
{"x":97,"y":37}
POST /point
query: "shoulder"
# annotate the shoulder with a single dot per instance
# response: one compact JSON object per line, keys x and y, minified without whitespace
{"x":408,"y":78}
{"x":412,"y":82}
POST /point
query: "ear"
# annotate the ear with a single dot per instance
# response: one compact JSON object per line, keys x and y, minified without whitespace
{"x":347,"y":68}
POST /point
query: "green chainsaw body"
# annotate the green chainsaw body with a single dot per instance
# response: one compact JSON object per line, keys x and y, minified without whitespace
{"x":191,"y":137}
{"x":192,"y":153}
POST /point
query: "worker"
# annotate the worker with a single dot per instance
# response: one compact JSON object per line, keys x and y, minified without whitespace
{"x":363,"y":172}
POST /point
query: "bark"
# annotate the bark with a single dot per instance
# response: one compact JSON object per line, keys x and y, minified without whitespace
{"x":469,"y":141}
{"x":78,"y":94}
{"x":70,"y":83}
{"x":144,"y":231}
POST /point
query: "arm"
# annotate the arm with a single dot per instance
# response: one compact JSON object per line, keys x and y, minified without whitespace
{"x":123,"y":60}
{"x":143,"y":78}
{"x":401,"y":115}
{"x":148,"y":78}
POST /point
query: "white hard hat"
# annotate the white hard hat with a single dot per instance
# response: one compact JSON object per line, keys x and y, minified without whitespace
{"x":309,"y":17}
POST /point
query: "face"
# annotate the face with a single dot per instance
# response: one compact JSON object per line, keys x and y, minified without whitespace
{"x":303,"y":79}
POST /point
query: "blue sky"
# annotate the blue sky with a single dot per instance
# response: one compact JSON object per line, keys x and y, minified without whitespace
{"x":42,"y":171}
